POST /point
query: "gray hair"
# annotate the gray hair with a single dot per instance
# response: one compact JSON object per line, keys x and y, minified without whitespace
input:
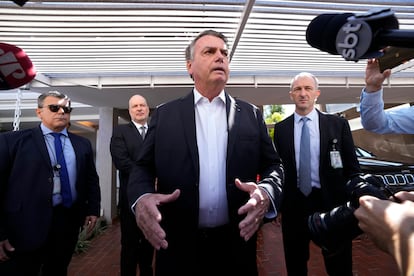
{"x":305,"y":74}
{"x":56,"y":94}
{"x":189,"y":51}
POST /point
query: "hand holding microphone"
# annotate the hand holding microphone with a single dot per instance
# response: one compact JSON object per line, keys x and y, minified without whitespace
{"x":374,"y":78}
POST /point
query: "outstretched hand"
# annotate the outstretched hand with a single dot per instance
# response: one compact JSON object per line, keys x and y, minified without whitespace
{"x":148,"y":217}
{"x":255,"y":208}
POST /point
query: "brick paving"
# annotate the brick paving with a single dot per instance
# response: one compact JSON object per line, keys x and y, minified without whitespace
{"x":102,"y":258}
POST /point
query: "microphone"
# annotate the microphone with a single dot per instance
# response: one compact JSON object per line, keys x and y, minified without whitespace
{"x":20,"y":2}
{"x":16,"y":68}
{"x":358,"y":36}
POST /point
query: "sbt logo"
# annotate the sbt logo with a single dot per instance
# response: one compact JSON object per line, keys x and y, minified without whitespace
{"x":353,"y":39}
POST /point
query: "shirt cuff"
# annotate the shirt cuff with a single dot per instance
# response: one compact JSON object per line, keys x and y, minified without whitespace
{"x":136,"y":201}
{"x":272,"y":211}
{"x":372,"y":95}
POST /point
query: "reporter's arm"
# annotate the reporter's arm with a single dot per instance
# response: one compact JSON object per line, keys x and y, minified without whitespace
{"x":391,"y":227}
{"x":373,"y":116}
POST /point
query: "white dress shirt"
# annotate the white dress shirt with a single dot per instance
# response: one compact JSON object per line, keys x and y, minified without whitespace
{"x":211,"y":129}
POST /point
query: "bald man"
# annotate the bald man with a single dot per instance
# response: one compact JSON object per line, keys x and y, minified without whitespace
{"x":125,"y":145}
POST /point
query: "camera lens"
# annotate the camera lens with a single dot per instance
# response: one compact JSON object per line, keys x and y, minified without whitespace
{"x":332,"y":229}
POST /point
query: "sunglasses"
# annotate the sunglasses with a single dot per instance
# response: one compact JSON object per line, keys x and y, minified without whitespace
{"x":56,"y":108}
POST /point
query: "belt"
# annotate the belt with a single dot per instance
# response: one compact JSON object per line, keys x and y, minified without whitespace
{"x":218,"y":232}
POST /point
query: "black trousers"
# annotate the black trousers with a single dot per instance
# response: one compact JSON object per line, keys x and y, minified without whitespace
{"x":296,"y":239}
{"x":218,"y":251}
{"x":135,"y":249}
{"x":53,"y":258}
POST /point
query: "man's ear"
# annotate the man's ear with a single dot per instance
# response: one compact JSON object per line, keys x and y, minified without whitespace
{"x":189,"y":69}
{"x":188,"y":65}
{"x":290,"y":96}
{"x":39,"y":112}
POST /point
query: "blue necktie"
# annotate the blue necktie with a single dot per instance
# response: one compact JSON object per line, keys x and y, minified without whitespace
{"x":63,"y":172}
{"x":305,"y":184}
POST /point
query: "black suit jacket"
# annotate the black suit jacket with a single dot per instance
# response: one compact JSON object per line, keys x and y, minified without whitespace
{"x":170,"y":153}
{"x":26,"y":186}
{"x":126,"y":143}
{"x":332,"y":180}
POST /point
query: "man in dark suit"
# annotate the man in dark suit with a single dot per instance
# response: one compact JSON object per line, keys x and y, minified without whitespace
{"x":39,"y":221}
{"x":332,"y":163}
{"x":207,"y":151}
{"x":125,"y":145}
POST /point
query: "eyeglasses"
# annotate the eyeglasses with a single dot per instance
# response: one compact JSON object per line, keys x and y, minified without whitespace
{"x":56,"y":108}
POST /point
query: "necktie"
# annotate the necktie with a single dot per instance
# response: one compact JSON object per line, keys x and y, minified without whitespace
{"x":304,"y":160}
{"x":142,"y":128}
{"x":63,"y":172}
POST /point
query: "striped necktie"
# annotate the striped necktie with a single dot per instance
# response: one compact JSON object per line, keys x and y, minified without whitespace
{"x":142,"y":131}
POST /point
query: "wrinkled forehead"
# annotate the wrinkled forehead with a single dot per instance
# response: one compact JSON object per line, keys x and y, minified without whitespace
{"x":304,"y":81}
{"x":210,"y":41}
{"x":137,"y":101}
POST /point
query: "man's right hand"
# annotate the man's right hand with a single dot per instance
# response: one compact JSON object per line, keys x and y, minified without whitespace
{"x":5,"y":247}
{"x":148,"y":217}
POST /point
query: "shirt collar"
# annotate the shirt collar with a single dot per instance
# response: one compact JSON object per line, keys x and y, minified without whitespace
{"x":138,"y":126}
{"x":313,"y":115}
{"x":46,"y":130}
{"x":198,"y":96}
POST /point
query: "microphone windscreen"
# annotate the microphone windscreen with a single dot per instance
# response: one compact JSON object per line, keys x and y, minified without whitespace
{"x":16,"y":68}
{"x":322,"y":30}
{"x":20,"y":2}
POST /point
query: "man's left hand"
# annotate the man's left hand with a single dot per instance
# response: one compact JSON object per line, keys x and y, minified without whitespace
{"x":255,"y":208}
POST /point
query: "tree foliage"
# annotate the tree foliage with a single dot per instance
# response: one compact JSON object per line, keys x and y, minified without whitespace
{"x":273,"y":114}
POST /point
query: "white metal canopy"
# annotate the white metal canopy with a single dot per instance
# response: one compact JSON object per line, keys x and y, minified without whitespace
{"x":102,"y":52}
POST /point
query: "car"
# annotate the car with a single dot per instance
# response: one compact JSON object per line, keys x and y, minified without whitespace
{"x":395,"y":175}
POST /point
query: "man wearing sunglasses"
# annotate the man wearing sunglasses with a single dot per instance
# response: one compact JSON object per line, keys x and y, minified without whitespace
{"x":49,"y":190}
